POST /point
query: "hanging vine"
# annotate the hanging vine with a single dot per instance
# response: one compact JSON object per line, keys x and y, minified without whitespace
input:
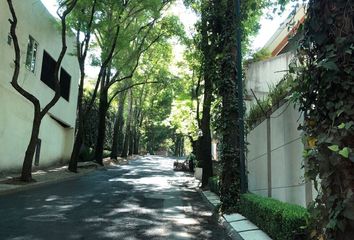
{"x":325,"y":91}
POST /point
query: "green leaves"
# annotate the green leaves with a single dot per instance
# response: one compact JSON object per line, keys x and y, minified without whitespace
{"x":325,"y":87}
{"x":343,"y":152}
{"x":346,"y":126}
{"x":334,"y":148}
{"x":329,"y":65}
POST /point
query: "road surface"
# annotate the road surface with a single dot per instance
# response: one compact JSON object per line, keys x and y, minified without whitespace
{"x":142,"y":200}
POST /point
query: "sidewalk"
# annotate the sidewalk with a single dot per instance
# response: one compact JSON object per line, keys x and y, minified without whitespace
{"x":52,"y":175}
{"x":239,"y":227}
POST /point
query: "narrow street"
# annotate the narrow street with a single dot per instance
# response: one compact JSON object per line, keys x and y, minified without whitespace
{"x":143,"y":200}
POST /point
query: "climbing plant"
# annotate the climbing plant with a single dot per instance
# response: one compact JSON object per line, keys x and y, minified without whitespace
{"x":218,"y":47}
{"x":325,"y":92}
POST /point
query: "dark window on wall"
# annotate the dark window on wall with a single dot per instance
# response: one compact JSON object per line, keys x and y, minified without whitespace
{"x":47,"y":76}
{"x":48,"y":68}
{"x":31,"y":55}
{"x":65,"y":80}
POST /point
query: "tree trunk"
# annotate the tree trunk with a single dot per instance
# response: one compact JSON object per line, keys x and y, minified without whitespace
{"x":121,"y":128}
{"x":182,"y":147}
{"x":230,"y":179}
{"x":101,"y":127}
{"x":79,"y":140}
{"x":208,"y":73}
{"x":118,"y":131}
{"x":136,"y":143}
{"x":126,"y":142}
{"x":131,"y":142}
{"x":114,"y":148}
{"x":128,"y":134}
{"x":175,"y":152}
{"x":193,"y":143}
{"x":205,"y":140}
{"x":26,"y":174}
{"x":120,"y":137}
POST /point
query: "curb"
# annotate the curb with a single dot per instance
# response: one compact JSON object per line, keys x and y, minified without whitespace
{"x":232,"y":233}
{"x":237,"y":226}
{"x":35,"y":185}
{"x":230,"y":230}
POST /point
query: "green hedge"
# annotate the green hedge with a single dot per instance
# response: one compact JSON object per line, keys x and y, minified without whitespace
{"x":88,"y":154}
{"x":281,"y":221}
{"x":214,"y":185}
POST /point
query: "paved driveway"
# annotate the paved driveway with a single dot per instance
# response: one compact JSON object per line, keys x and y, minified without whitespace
{"x":142,"y":200}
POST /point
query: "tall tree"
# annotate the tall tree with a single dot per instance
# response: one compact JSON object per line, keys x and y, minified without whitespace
{"x":230,"y":155}
{"x":63,"y":11}
{"x":82,"y":19}
{"x":325,"y":87}
{"x":118,"y":136}
{"x":90,"y":16}
{"x":221,"y":24}
{"x":128,"y":135}
{"x":139,"y":32}
{"x":209,"y":31}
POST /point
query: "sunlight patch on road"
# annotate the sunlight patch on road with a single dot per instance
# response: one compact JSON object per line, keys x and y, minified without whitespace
{"x":185,"y":221}
{"x":157,"y":231}
{"x":46,"y":217}
{"x":95,"y":220}
{"x":128,"y":208}
{"x":52,"y":198}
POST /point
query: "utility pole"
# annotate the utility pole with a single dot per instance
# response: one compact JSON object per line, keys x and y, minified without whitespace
{"x":240,"y":99}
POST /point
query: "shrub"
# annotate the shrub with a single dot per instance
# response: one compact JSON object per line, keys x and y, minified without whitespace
{"x":106,"y":153}
{"x":282,"y":221}
{"x":86,"y":154}
{"x":275,"y":95}
{"x":256,"y":112}
{"x":214,"y":185}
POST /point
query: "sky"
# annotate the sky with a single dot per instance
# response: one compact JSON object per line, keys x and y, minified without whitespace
{"x":268,"y":28}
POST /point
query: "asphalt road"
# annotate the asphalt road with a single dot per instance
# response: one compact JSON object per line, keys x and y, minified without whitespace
{"x":142,"y":200}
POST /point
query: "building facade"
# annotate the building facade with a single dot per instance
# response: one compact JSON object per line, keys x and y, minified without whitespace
{"x":274,"y":159}
{"x":263,"y":75}
{"x":39,"y":36}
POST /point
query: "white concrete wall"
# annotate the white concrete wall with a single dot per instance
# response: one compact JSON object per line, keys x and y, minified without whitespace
{"x":263,"y":74}
{"x":214,"y":149}
{"x":286,"y":152}
{"x":16,"y":113}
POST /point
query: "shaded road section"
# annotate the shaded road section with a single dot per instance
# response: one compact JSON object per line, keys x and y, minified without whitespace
{"x":143,"y":200}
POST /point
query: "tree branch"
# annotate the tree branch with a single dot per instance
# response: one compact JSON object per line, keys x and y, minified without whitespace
{"x":115,"y":77}
{"x":14,"y":81}
{"x":127,"y":88}
{"x":70,"y":7}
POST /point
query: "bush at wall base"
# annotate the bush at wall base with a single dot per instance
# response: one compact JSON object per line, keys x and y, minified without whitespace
{"x":214,"y":185}
{"x":281,"y":221}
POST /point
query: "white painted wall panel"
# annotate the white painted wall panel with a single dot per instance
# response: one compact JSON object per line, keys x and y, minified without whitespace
{"x":287,"y":172}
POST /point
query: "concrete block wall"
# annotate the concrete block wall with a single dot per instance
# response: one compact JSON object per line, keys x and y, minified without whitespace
{"x":287,"y":174}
